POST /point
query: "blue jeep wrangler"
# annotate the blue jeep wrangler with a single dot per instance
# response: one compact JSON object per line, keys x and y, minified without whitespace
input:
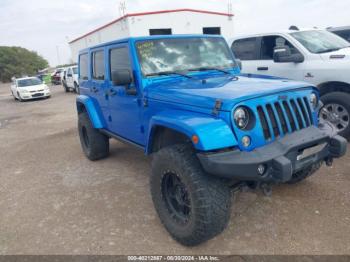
{"x":209,"y":129}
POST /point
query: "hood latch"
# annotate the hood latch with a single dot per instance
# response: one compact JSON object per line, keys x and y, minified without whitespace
{"x":217,"y":107}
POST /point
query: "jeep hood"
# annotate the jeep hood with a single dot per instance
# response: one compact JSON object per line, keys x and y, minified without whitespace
{"x":339,"y":55}
{"x":204,"y":93}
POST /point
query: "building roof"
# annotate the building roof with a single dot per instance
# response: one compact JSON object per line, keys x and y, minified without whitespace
{"x":150,"y":13}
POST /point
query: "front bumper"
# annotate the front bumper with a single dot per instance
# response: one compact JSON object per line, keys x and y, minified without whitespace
{"x":281,"y":159}
{"x":28,"y":96}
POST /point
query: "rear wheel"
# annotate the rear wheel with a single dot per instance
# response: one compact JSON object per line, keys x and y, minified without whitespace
{"x":193,"y":206}
{"x":95,"y":144}
{"x":336,"y":110}
{"x":65,"y":87}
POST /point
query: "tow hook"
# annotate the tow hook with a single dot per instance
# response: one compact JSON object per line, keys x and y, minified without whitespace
{"x":329,"y":162}
{"x":247,"y":186}
{"x":266,"y":189}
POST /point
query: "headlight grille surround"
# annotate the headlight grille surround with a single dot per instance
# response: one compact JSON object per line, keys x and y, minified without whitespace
{"x":314,"y":100}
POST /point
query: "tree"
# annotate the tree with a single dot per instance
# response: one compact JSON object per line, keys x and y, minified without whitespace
{"x":18,"y":61}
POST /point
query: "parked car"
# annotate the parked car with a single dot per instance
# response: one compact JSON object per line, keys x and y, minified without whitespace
{"x":181,"y":99}
{"x":343,"y":32}
{"x":29,"y":88}
{"x":56,"y":76}
{"x":316,"y":56}
{"x":70,"y":80}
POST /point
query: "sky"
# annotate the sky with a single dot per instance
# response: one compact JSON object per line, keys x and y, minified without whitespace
{"x":47,"y":26}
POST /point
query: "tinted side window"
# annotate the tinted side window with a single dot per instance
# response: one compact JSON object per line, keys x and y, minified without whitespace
{"x":98,"y":65}
{"x":84,"y":65}
{"x":344,"y":34}
{"x":245,"y":49}
{"x":268,"y":44}
{"x":119,"y":59}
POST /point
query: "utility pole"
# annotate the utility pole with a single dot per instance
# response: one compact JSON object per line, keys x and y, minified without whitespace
{"x":229,"y":8}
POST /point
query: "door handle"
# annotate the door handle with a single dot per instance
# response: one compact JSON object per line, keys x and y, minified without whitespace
{"x":94,"y":89}
{"x":263,"y":68}
{"x":112,"y":92}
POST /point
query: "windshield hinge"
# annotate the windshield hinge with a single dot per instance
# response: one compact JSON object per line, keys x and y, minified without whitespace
{"x":217,"y":107}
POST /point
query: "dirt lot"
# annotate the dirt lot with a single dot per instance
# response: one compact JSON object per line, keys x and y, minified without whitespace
{"x":55,"y":201}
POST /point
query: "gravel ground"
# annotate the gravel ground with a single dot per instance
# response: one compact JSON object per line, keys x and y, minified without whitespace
{"x":55,"y":201}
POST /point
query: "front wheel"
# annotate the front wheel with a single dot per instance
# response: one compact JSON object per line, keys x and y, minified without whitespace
{"x":19,"y":97}
{"x":192,"y":205}
{"x":94,"y":144}
{"x":76,"y":88}
{"x":336,"y":110}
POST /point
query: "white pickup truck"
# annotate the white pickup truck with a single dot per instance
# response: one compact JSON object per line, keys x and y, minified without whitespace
{"x":69,"y":79}
{"x":316,"y":56}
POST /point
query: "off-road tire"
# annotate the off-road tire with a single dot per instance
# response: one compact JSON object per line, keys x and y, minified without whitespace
{"x":342,"y":99}
{"x":305,"y":173}
{"x":97,"y":144}
{"x":209,"y":196}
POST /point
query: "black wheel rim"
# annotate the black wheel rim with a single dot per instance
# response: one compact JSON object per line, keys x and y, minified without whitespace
{"x":337,"y":114}
{"x":176,"y":198}
{"x":85,"y":136}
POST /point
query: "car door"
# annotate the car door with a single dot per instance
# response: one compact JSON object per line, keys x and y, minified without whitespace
{"x":69,"y":78}
{"x":98,"y":83}
{"x":124,"y":105}
{"x":265,"y":64}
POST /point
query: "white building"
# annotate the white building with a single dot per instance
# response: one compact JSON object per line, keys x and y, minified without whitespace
{"x":179,"y":21}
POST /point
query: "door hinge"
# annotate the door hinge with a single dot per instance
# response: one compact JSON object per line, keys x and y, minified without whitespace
{"x":145,"y":102}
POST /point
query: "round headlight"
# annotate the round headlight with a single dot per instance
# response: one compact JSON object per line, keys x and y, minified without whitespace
{"x":314,"y":100}
{"x":241,"y":117}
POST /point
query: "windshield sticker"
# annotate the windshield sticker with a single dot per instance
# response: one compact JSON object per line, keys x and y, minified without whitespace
{"x":146,"y":49}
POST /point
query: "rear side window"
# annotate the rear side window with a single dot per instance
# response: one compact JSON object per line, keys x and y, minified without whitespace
{"x":83,"y":64}
{"x":344,"y":34}
{"x":98,"y":65}
{"x":245,"y":49}
{"x":119,"y":59}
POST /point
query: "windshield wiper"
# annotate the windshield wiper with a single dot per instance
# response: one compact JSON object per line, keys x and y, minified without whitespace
{"x":210,"y":68}
{"x":166,"y":73}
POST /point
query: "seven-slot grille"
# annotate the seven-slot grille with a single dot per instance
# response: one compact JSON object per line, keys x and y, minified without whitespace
{"x":287,"y":116}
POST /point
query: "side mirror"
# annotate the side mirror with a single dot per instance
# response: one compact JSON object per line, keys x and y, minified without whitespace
{"x":283,"y":54}
{"x":121,"y":77}
{"x":239,"y":63}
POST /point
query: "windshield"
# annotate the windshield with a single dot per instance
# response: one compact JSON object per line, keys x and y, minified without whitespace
{"x":183,"y":54}
{"x":318,"y":42}
{"x":75,"y":70}
{"x":29,"y":82}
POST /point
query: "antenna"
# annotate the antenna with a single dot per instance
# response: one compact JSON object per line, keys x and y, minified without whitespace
{"x":122,"y":8}
{"x":229,"y":8}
